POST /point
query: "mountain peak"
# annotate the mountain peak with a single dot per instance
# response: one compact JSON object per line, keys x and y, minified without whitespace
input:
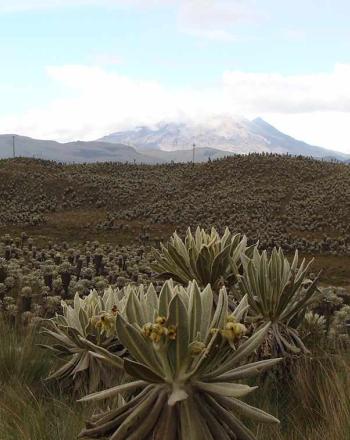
{"x":215,"y":137}
{"x":260,"y":121}
{"x":233,"y":134}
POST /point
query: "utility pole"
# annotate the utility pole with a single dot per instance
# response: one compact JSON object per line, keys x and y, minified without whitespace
{"x":13,"y":146}
{"x":193,"y":152}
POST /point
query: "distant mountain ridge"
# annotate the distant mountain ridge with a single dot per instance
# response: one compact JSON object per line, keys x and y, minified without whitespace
{"x":171,"y":142}
{"x":78,"y":151}
{"x":233,"y":135}
{"x":98,"y":151}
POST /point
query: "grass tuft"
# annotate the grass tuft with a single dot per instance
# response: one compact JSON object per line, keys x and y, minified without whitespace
{"x":313,"y":404}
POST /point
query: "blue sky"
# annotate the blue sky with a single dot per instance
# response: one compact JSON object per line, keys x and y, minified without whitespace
{"x":80,"y":68}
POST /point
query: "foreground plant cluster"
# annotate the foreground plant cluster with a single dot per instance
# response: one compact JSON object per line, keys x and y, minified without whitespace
{"x":164,"y":344}
{"x":291,"y":202}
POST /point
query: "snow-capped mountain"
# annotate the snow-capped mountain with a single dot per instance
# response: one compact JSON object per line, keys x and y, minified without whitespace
{"x":171,"y":142}
{"x":234,"y":135}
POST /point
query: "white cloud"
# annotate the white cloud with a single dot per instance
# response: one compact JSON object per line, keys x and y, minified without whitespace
{"x":269,"y":92}
{"x":214,"y":14}
{"x":326,"y":129}
{"x":214,"y":19}
{"x":98,"y":102}
{"x":315,"y":108}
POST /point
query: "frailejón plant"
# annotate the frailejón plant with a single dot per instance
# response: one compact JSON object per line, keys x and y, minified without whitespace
{"x":186,"y":366}
{"x":91,"y":321}
{"x":278,"y":293}
{"x":206,"y":258}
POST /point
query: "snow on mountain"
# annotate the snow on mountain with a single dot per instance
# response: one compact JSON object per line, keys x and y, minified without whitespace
{"x":214,"y":138}
{"x":231,"y":134}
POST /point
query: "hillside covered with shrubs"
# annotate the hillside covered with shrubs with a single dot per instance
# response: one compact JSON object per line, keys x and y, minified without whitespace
{"x":292,"y":202}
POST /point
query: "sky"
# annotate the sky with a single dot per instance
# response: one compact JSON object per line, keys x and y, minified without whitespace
{"x":80,"y":69}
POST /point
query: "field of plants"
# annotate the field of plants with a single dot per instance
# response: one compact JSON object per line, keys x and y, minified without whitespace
{"x":114,"y":326}
{"x":292,"y":202}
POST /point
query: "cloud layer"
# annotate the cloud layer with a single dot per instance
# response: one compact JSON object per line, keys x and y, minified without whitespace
{"x":315,"y":108}
{"x":266,"y":92}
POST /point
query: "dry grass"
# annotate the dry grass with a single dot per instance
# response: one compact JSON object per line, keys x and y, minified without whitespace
{"x":335,"y":269}
{"x":29,"y":408}
{"x":76,"y":226}
{"x":25,"y":415}
{"x":314,"y":403}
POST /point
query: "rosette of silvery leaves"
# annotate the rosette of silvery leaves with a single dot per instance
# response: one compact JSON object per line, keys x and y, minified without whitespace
{"x":187,"y":360}
{"x":89,"y":321}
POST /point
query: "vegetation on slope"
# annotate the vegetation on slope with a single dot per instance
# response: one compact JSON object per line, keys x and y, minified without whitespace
{"x":293,"y":202}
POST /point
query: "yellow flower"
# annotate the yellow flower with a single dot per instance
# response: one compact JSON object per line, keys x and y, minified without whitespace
{"x":233,"y":331}
{"x":161,"y":320}
{"x":172,"y":332}
{"x":146,"y":329}
{"x":240,"y":330}
{"x":106,"y":323}
{"x":158,"y":329}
